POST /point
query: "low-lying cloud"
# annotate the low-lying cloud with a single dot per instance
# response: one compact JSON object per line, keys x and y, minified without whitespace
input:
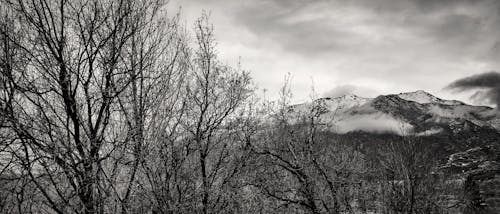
{"x":488,"y":83}
{"x":375,"y":123}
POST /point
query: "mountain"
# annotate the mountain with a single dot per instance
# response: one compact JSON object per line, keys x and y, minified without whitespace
{"x":418,"y":112}
{"x":463,"y":138}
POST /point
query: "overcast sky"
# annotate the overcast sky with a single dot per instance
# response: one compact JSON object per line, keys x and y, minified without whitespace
{"x":367,"y":47}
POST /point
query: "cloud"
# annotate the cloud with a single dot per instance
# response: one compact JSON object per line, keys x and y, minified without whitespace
{"x":376,"y":123}
{"x":351,"y":89}
{"x":390,"y":45}
{"x":319,"y":27}
{"x":488,"y":82}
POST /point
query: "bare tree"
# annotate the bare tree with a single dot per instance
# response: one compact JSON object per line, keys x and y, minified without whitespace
{"x":410,"y":183}
{"x":187,"y":128}
{"x":299,"y":166}
{"x":214,"y":93}
{"x":78,"y":63}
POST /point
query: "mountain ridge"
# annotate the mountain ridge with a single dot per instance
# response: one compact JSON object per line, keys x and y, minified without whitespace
{"x":417,"y":112}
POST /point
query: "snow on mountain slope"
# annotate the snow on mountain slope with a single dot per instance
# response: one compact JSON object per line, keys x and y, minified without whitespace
{"x":334,"y":105}
{"x":345,"y":102}
{"x":424,"y":97}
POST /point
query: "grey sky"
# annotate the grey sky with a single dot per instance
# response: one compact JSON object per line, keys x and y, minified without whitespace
{"x":380,"y":46}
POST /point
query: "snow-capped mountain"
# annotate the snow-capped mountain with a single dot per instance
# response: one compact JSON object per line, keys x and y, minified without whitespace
{"x":418,"y":112}
{"x":423,"y":97}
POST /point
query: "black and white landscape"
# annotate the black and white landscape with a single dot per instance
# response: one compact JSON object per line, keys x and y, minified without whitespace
{"x":265,"y":106}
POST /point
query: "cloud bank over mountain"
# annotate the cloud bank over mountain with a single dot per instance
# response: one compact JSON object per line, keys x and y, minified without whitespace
{"x":489,"y":82}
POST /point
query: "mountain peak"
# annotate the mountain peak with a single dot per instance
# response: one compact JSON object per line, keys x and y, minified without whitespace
{"x":424,"y":97}
{"x":417,"y":94}
{"x":349,"y":96}
{"x":421,"y":93}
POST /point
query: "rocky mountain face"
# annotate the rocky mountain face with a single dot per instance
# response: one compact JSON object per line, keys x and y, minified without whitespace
{"x":476,"y":173}
{"x":466,"y":138}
